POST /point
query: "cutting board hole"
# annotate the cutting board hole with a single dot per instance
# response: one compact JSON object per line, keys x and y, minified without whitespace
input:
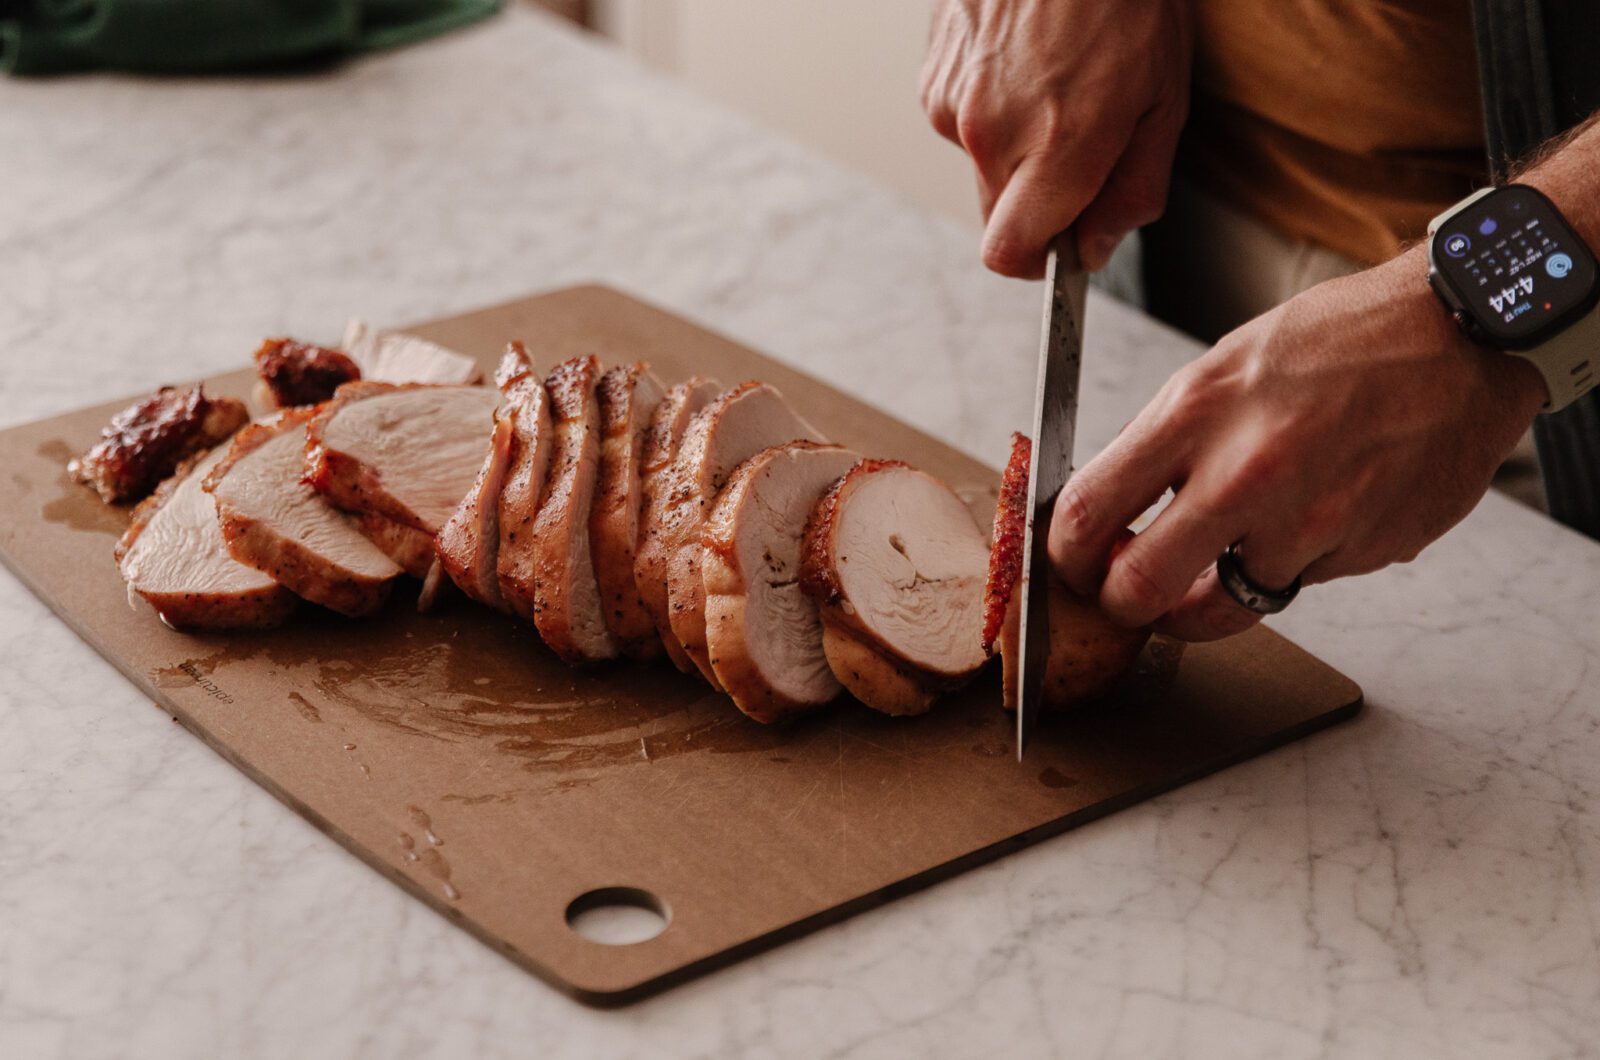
{"x":618,"y":916}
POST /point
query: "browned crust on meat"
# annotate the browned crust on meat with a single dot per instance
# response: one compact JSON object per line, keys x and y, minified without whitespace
{"x":613,"y":530}
{"x":520,"y":497}
{"x":282,"y":559}
{"x":301,"y":373}
{"x":1005,"y":553}
{"x":875,"y":679}
{"x":470,"y":540}
{"x":145,"y":442}
{"x":571,"y":386}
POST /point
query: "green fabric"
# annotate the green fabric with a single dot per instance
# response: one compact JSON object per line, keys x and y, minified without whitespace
{"x":212,"y":36}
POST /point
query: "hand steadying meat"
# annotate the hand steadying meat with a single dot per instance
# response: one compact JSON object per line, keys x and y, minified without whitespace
{"x":1070,"y":110}
{"x":1339,"y":433}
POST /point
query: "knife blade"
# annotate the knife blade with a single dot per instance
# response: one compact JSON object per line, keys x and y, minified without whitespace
{"x":1055,"y":422}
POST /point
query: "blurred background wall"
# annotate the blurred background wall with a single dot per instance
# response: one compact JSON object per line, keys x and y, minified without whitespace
{"x":838,"y":75}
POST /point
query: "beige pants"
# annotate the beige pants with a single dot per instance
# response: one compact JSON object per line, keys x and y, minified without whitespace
{"x":1208,"y":268}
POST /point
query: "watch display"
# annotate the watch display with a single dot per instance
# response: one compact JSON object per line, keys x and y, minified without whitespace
{"x":1511,"y":265}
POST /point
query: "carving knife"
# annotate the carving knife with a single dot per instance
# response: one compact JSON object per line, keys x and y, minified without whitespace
{"x":1055,"y":422}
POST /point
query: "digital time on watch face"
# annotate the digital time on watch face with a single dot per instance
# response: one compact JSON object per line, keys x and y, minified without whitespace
{"x":1515,"y":267}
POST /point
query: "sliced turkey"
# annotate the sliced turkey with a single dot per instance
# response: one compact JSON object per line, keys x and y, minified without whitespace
{"x":174,"y":556}
{"x":567,"y":608}
{"x":273,"y":521}
{"x":738,"y":425}
{"x":391,"y":357}
{"x":1088,"y":652}
{"x":896,"y":563}
{"x":656,"y":467}
{"x":408,"y":453}
{"x":629,"y":396}
{"x":526,"y":405}
{"x":469,"y":543}
{"x":763,"y":632}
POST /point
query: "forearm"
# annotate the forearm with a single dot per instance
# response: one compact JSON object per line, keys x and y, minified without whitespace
{"x":1567,"y":170}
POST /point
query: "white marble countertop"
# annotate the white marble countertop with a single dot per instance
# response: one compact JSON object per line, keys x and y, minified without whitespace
{"x":1425,"y":881}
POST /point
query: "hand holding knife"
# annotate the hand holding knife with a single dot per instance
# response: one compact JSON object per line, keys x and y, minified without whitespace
{"x":1055,"y":422}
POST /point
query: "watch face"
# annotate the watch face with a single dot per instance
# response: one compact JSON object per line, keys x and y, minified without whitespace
{"x":1515,"y":267}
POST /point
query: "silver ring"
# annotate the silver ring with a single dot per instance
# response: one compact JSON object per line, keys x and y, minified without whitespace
{"x":1248,"y":594}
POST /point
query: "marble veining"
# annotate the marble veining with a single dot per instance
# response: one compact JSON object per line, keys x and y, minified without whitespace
{"x":1424,"y":882}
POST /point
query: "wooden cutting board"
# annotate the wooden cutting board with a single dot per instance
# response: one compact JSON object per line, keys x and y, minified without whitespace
{"x":455,"y":755}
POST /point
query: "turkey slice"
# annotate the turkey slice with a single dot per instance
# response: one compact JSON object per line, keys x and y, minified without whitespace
{"x":526,"y":406}
{"x":897,"y":563}
{"x":273,"y":521}
{"x":392,"y":357}
{"x":656,"y":466}
{"x":174,"y":556}
{"x":629,"y":397}
{"x":763,"y":633}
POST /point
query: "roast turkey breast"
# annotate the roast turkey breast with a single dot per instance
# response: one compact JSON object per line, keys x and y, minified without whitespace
{"x":145,"y":442}
{"x":896,"y":563}
{"x":174,"y":556}
{"x":567,"y":607}
{"x":763,"y":633}
{"x":629,"y":396}
{"x":1088,"y":652}
{"x":526,"y":405}
{"x":738,"y":425}
{"x":656,"y":466}
{"x":391,"y":357}
{"x":273,"y":521}
{"x":409,"y":453}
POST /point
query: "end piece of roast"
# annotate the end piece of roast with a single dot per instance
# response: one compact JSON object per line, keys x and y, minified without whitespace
{"x":273,"y":521}
{"x":629,"y":397}
{"x":763,"y":632}
{"x":657,"y":463}
{"x":145,"y":442}
{"x":1088,"y":652}
{"x":300,"y":373}
{"x":896,"y":564}
{"x":739,"y":424}
{"x":173,"y":555}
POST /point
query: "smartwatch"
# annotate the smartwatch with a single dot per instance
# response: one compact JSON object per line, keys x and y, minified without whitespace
{"x":1518,"y":279}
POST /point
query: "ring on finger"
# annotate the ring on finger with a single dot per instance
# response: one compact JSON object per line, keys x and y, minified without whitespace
{"x":1249,"y":593}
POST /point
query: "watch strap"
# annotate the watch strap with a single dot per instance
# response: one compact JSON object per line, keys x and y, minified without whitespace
{"x":1567,"y":361}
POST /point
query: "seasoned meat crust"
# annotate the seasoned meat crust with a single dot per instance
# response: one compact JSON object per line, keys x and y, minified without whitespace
{"x":300,"y":373}
{"x":1010,"y":523}
{"x":629,"y":396}
{"x":145,"y":442}
{"x":567,"y":609}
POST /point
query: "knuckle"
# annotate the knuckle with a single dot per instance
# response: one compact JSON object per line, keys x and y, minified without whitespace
{"x":1133,"y":591}
{"x":1075,"y":521}
{"x":974,"y":127}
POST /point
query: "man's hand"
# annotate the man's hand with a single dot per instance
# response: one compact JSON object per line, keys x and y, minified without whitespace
{"x":1070,"y":110}
{"x":1337,"y":434}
